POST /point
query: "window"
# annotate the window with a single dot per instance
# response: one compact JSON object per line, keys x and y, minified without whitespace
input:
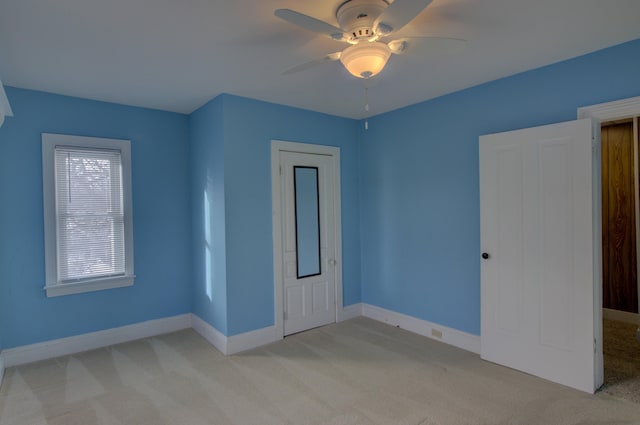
{"x":87,"y":213}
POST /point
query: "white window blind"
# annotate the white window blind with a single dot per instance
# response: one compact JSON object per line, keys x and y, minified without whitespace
{"x":88,"y":220}
{"x":89,"y":214}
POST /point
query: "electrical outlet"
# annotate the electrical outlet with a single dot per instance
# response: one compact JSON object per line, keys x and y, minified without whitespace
{"x":436,"y":333}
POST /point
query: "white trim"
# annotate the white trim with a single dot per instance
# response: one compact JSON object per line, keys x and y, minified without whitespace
{"x":337,"y":208}
{"x":89,"y":341}
{"x":621,"y":316}
{"x":350,"y":312}
{"x":602,"y":112}
{"x":208,"y":332}
{"x":596,"y":232}
{"x":450,"y":336}
{"x":89,"y":286}
{"x":252,"y":339}
{"x":235,"y":343}
{"x":618,"y":109}
{"x":276,"y":214}
{"x":50,"y":142}
{"x":226,"y":345}
{"x":276,"y":204}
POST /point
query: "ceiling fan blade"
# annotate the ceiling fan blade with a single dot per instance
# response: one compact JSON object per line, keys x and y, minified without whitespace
{"x":398,"y":14}
{"x":427,"y":44}
{"x":309,"y":23}
{"x":331,"y":57}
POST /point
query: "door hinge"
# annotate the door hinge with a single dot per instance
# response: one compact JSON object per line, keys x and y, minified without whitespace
{"x":281,"y":170}
{"x":595,"y":345}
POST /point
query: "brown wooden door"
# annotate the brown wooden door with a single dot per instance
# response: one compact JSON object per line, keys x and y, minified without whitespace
{"x":620,"y":289}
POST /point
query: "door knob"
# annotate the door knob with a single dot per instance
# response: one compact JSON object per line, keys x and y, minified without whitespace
{"x":485,"y":255}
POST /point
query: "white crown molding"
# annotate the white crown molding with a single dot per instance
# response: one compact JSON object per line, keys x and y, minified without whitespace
{"x":450,"y":336}
{"x":619,"y":109}
{"x":89,"y":341}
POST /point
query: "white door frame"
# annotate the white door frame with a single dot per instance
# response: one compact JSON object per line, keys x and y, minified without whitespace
{"x":602,"y":112}
{"x":276,"y":206}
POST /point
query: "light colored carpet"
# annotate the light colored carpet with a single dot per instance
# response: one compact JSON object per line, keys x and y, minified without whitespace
{"x":621,"y":352}
{"x":355,"y":372}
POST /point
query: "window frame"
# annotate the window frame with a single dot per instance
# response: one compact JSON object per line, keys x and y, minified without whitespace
{"x":53,"y":286}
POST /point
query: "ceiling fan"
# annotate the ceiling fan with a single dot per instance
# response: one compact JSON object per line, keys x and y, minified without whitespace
{"x":363,"y":24}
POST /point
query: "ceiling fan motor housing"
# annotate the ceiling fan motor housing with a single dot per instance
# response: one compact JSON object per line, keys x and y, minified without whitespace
{"x":356,"y":17}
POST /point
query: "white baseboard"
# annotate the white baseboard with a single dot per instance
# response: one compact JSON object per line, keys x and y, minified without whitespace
{"x":621,"y":316}
{"x":235,"y":343}
{"x":450,"y":336}
{"x":350,"y":312}
{"x":242,"y":342}
{"x":208,"y":332}
{"x":253,"y":339}
{"x":226,"y":345}
{"x":89,"y":341}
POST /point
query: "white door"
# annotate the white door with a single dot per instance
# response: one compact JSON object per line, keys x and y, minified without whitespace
{"x":537,"y":242}
{"x":308,"y":240}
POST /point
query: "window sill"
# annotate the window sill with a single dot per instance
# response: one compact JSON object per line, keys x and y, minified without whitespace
{"x":89,"y":285}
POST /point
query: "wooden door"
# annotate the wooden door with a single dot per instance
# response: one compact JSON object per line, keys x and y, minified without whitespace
{"x":620,"y":289}
{"x":537,"y":238}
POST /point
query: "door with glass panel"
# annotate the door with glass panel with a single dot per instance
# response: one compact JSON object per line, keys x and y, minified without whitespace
{"x":308,"y":240}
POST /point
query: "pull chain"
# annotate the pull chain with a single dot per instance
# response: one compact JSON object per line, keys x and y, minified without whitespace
{"x":366,"y":103}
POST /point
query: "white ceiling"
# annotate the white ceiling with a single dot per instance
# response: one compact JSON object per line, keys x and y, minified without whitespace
{"x":177,"y":54}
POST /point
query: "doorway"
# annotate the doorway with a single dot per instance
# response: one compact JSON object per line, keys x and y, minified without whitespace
{"x":306,"y":235}
{"x":620,"y":224}
{"x":619,"y":215}
{"x":575,"y":315}
{"x":618,"y":112}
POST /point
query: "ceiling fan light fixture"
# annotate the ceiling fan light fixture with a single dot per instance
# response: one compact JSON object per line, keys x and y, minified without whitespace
{"x":365,"y":59}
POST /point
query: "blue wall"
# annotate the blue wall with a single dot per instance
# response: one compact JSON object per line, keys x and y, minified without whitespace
{"x":202,"y":200}
{"x":419,"y":171}
{"x":208,"y":212}
{"x":161,"y":218}
{"x":248,"y":126}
